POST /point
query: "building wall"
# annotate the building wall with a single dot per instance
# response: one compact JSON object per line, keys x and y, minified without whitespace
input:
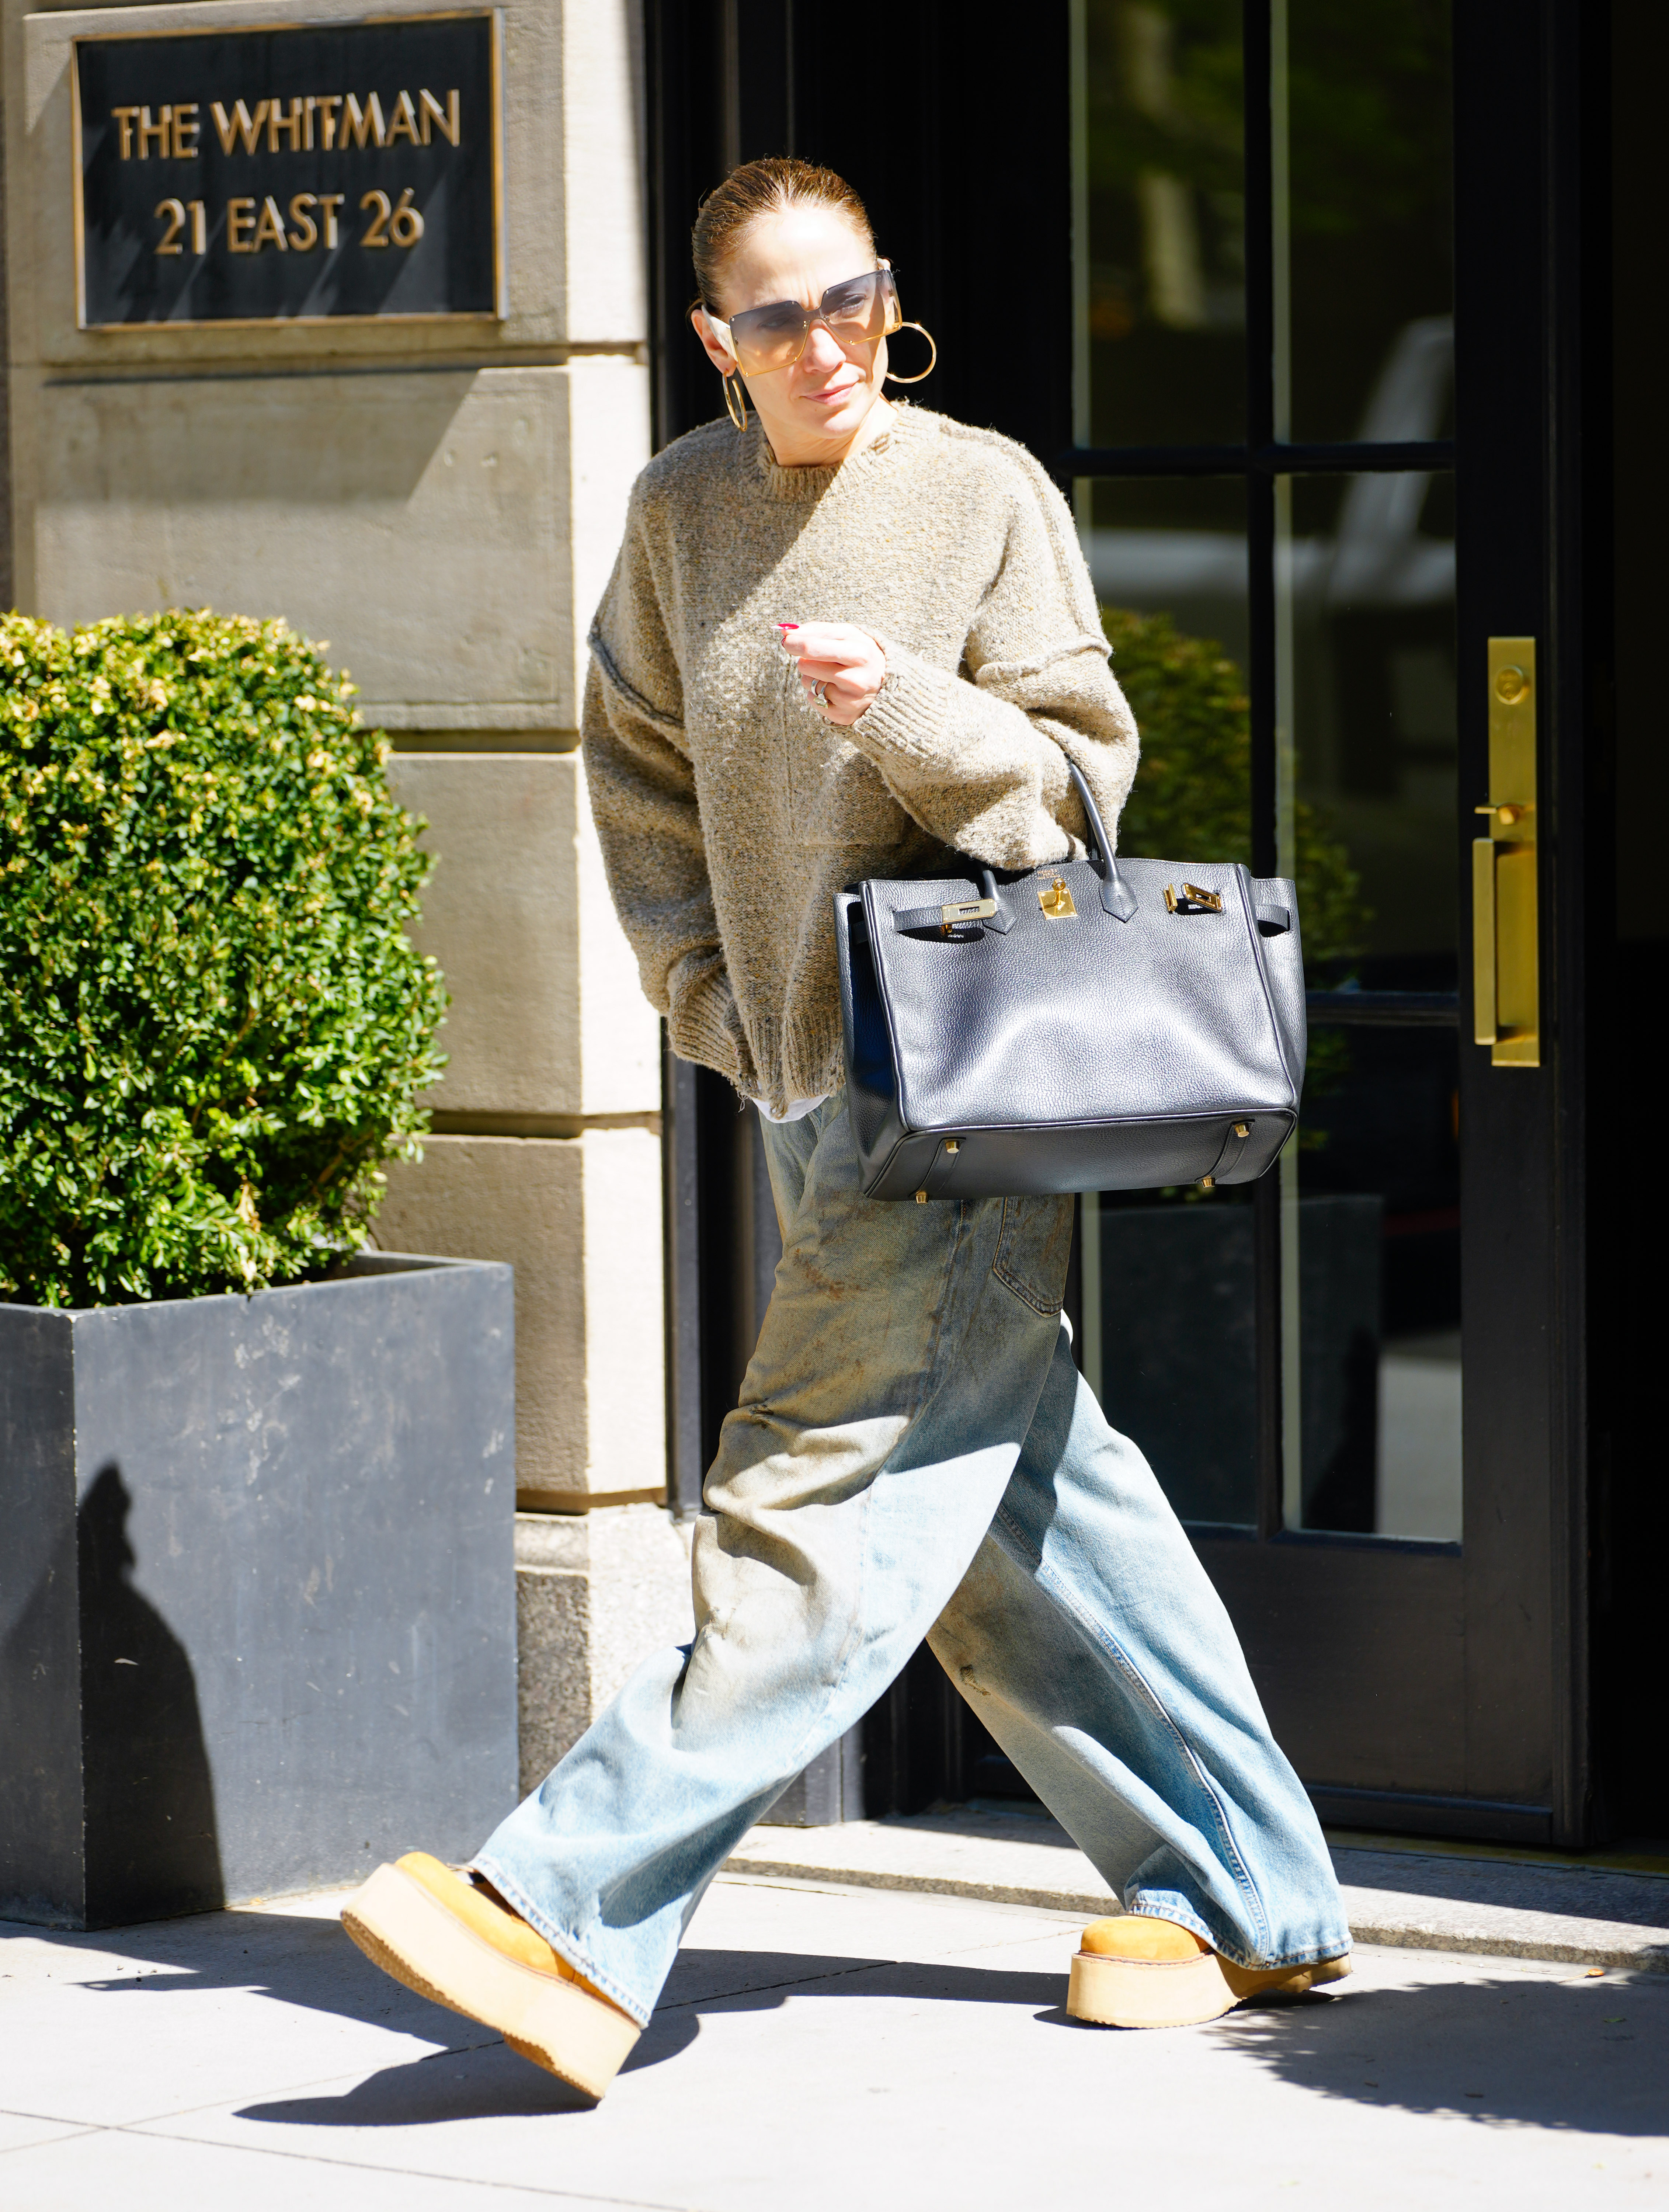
{"x":441,"y":502}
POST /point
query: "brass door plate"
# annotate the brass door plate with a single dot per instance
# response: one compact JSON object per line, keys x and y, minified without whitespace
{"x":1506,"y":963}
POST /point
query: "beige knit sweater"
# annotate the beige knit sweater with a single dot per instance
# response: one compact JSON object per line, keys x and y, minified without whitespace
{"x":730,"y":812}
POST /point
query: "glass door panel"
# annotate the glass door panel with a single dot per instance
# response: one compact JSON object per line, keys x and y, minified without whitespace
{"x":1366,"y":672}
{"x":1161,"y":213}
{"x":1370,"y":1188}
{"x":1364,"y":213}
{"x":1359,"y":576}
{"x":1371,"y":1198}
{"x":1175,"y":550}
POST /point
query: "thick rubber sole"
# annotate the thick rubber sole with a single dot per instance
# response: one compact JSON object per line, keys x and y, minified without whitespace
{"x":1178,"y":1992}
{"x":401,"y":1927}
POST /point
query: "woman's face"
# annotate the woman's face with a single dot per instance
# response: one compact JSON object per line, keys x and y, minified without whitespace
{"x":812,"y":410}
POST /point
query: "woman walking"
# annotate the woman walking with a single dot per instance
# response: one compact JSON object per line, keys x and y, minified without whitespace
{"x":842,"y":639}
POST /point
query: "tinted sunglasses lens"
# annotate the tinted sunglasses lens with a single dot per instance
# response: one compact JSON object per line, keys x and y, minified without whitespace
{"x":769,"y":337}
{"x":857,"y":309}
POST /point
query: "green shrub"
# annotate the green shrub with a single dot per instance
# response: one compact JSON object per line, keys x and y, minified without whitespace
{"x":1193,"y":794}
{"x":212,"y":1025}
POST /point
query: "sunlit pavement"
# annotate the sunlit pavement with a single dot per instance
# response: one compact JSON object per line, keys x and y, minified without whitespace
{"x":818,"y":2047}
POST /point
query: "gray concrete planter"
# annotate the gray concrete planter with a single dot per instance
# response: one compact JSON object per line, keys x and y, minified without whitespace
{"x":256,"y":1589}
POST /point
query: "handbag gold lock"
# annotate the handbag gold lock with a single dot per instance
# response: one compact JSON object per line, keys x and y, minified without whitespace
{"x":1057,"y":901}
{"x":958,"y":910}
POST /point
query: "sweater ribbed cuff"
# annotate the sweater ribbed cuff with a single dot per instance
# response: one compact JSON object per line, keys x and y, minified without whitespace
{"x":909,"y":715}
{"x":705,"y":1026}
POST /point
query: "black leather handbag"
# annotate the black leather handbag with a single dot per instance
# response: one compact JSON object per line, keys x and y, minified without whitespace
{"x":1096,"y":1024}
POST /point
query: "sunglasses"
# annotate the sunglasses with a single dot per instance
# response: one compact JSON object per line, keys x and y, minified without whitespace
{"x":761,"y":339}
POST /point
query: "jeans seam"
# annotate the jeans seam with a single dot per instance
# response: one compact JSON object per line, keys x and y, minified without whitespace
{"x":1024,"y":1292}
{"x":1021,"y":1292}
{"x":929,"y":1364}
{"x":1121,"y":1658}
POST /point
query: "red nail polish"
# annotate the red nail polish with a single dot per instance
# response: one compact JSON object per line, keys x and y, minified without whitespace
{"x":787,"y":625}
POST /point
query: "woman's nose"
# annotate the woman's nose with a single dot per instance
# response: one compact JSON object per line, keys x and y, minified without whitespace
{"x":823,"y":351}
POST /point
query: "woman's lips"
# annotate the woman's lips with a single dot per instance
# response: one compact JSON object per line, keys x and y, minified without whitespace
{"x":832,"y":393}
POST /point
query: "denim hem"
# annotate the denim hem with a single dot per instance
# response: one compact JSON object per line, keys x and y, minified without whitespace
{"x":1180,"y":1919}
{"x":559,"y":1938}
{"x":1315,"y":1956}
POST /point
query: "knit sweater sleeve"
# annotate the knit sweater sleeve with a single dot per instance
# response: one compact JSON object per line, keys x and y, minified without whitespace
{"x":978,"y":757}
{"x":643,"y":799}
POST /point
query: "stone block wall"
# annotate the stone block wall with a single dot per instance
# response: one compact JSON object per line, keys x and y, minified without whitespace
{"x":441,"y":502}
{"x":594,"y":1592}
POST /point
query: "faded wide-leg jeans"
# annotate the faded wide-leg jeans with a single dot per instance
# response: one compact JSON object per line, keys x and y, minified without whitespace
{"x":915,"y":1454}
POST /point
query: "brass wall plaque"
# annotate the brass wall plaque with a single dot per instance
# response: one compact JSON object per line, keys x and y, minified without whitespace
{"x":320,"y":173}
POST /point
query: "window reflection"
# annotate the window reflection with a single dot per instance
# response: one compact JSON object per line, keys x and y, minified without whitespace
{"x":1371,"y":1221}
{"x":1176,"y":549}
{"x":1366,"y":790}
{"x":1364,"y":213}
{"x":1377,"y":1222}
{"x":1163,"y":260}
{"x":1371,"y":642}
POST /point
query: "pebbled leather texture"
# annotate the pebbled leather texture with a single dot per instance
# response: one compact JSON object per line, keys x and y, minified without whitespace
{"x":1097,"y":1051}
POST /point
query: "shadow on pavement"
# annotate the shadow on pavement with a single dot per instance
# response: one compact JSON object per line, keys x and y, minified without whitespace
{"x":495,"y":2083}
{"x":1587,"y":2055}
{"x":488,"y":2083}
{"x":297,"y":1960}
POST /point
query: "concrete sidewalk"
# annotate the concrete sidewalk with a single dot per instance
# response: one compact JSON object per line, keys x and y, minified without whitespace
{"x":819,"y":2047}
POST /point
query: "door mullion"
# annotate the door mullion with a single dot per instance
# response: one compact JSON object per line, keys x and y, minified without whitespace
{"x":1261,"y":675}
{"x":1577,"y":221}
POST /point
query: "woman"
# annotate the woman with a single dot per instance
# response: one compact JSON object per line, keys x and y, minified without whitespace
{"x":838,"y":642}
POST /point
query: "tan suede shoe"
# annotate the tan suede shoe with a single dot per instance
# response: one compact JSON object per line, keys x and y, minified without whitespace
{"x":460,"y":1946}
{"x":1134,"y":1970}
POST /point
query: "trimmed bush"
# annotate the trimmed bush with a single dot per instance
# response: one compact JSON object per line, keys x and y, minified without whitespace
{"x":1193,"y":794}
{"x":215,"y":1025}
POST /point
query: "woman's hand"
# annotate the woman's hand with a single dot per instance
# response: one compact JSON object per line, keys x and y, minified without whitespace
{"x":845,"y":661}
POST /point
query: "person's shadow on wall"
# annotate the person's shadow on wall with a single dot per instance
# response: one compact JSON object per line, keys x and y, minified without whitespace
{"x":152,"y":1845}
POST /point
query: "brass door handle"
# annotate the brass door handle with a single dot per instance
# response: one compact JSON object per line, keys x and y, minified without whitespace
{"x":1506,"y":969}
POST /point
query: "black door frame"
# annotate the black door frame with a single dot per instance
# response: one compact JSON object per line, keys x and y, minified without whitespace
{"x":1487,"y":1643}
{"x":1383,"y":1663}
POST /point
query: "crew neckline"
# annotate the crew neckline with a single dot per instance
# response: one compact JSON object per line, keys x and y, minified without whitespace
{"x":809,"y":484}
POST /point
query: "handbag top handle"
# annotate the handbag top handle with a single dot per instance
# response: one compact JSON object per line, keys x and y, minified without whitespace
{"x":1116,"y":896}
{"x":991,"y":913}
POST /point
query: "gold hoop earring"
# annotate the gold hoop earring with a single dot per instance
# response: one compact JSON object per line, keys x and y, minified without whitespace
{"x":735,"y":406}
{"x":932,"y":364}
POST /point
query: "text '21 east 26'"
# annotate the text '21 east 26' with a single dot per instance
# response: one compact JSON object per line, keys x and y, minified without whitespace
{"x":324,"y":121}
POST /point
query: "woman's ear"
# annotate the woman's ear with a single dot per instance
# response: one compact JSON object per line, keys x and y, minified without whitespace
{"x":716,"y":353}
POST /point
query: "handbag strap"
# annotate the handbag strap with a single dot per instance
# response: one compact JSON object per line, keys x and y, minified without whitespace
{"x":986,"y":913}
